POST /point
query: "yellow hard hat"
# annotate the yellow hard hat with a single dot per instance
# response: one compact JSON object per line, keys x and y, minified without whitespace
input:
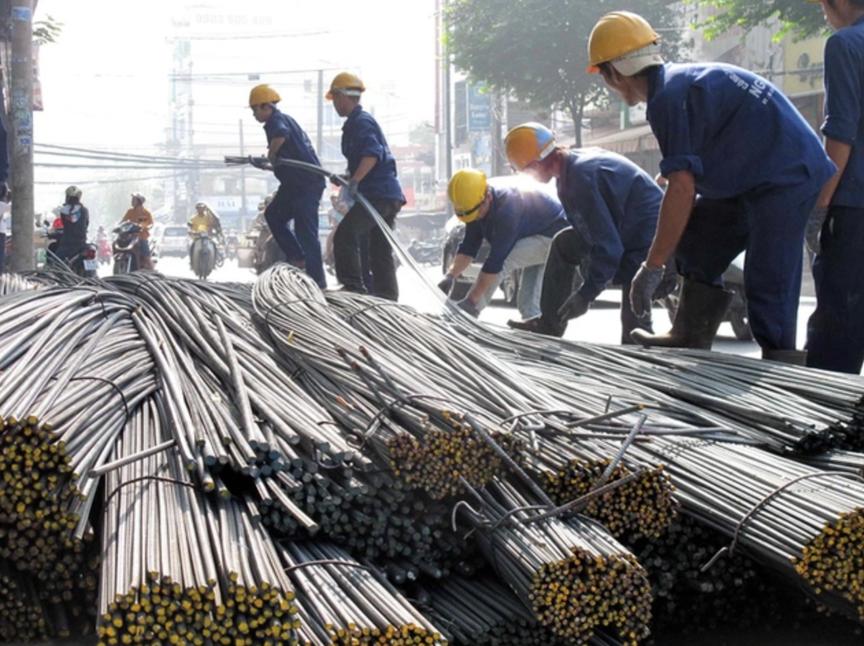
{"x":467,"y":190}
{"x":346,"y":83}
{"x":263,"y":94}
{"x":618,"y":34}
{"x":528,"y":142}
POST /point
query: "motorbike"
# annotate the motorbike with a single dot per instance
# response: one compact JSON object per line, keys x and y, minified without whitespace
{"x":83,"y":263}
{"x":125,"y":248}
{"x":202,"y":255}
{"x":232,"y":243}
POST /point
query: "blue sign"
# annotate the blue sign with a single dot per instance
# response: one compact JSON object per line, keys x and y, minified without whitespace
{"x":479,"y":111}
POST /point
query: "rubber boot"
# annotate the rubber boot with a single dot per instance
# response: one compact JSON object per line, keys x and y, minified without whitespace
{"x":701,"y":309}
{"x":539,"y":325}
{"x":792,"y":357}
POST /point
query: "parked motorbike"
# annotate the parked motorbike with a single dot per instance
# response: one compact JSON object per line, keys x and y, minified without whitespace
{"x":202,"y":255}
{"x":125,"y":248}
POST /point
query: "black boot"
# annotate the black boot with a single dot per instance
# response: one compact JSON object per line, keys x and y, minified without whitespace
{"x":539,"y":325}
{"x":792,"y":357}
{"x":700,"y":311}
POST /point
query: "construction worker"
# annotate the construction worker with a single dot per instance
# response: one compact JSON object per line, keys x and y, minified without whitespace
{"x":144,"y":219}
{"x":612,"y":206}
{"x":372,"y":171}
{"x":299,"y":191}
{"x":744,"y":172}
{"x":519,"y":225}
{"x":835,"y":331}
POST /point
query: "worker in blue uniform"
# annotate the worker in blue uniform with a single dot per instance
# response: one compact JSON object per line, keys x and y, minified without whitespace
{"x":519,"y":225}
{"x":299,"y":193}
{"x":835,"y":331}
{"x":744,"y":171}
{"x":372,"y":172}
{"x":612,"y":206}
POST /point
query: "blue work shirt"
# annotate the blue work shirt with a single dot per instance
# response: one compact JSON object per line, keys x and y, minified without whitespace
{"x":362,"y":137}
{"x":615,"y":204}
{"x":297,"y":146}
{"x":735,"y":131}
{"x":844,"y":112}
{"x":514,"y":214}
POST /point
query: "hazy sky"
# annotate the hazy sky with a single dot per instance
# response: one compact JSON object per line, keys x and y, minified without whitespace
{"x":107,"y":81}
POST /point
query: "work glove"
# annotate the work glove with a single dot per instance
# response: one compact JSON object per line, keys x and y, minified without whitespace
{"x":575,"y":306}
{"x":446,"y":284}
{"x":352,"y":187}
{"x":645,"y":283}
{"x":469,"y":307}
{"x":334,"y":179}
{"x":813,"y":232}
{"x":669,"y":282}
{"x":259,"y":162}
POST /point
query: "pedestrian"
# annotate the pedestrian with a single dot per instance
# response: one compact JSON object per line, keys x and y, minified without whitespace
{"x":835,"y":331}
{"x":518,"y":224}
{"x":612,"y":208}
{"x":299,"y":193}
{"x":744,"y":171}
{"x":372,"y":172}
{"x":137,"y":214}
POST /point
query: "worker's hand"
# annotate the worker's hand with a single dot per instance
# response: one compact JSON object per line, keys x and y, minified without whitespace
{"x":669,"y":282}
{"x":352,"y":187}
{"x":259,"y":162}
{"x":334,"y":179}
{"x":575,"y":306}
{"x":468,"y":306}
{"x":645,"y":283}
{"x":813,"y":232}
{"x":446,"y":284}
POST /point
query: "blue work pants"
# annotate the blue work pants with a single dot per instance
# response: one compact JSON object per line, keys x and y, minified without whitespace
{"x":769,"y":225}
{"x":303,"y":243}
{"x":835,"y":331}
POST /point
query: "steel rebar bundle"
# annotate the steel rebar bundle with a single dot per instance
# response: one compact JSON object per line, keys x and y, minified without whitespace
{"x":577,"y":579}
{"x":420,"y":430}
{"x":345,"y":603}
{"x":805,"y":523}
{"x":177,"y":566}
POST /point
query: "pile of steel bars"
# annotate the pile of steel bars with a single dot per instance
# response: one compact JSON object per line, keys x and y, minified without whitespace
{"x":805,"y":523}
{"x":422,"y":431}
{"x":343,"y":602}
{"x":177,"y":566}
{"x":576,"y":578}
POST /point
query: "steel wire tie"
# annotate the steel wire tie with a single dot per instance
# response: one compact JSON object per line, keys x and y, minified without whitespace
{"x":116,"y":388}
{"x":730,"y":549}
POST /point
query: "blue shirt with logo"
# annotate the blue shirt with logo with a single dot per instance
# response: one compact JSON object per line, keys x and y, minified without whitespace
{"x":298,"y":147}
{"x":844,"y":107}
{"x":734,"y":130}
{"x":514,"y":214}
{"x":362,"y":137}
{"x":615,"y":204}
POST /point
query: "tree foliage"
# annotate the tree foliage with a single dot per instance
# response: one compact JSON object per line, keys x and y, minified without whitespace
{"x":537,"y":49}
{"x":796,"y":16}
{"x":47,"y":30}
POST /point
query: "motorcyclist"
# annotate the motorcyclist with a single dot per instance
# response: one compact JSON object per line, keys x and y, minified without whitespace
{"x":75,"y":219}
{"x":144,"y":219}
{"x":205,"y":220}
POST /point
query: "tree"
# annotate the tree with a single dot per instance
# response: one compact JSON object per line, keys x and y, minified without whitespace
{"x":796,"y":16}
{"x":537,"y":49}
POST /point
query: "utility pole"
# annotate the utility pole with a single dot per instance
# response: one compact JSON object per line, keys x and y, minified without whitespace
{"x":21,"y":114}
{"x":319,"y":144}
{"x":242,"y":180}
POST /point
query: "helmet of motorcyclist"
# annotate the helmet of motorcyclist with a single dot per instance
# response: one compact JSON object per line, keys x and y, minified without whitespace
{"x":200,"y":205}
{"x":74,"y":192}
{"x":137,"y":196}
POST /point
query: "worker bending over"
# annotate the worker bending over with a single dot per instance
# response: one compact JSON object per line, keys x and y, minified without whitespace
{"x":612,"y":206}
{"x":744,"y":171}
{"x":519,"y":225}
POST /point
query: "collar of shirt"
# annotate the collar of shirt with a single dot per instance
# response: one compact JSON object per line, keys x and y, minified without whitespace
{"x":656,"y":76}
{"x":273,"y":116}
{"x":351,"y":117}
